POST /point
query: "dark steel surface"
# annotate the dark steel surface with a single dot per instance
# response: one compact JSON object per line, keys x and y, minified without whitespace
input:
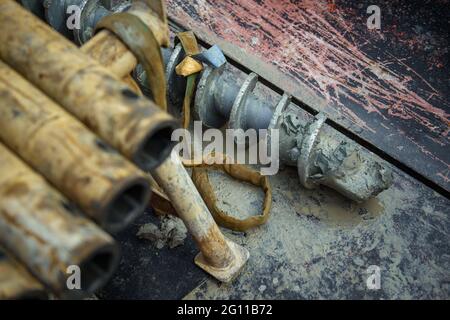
{"x":388,"y":86}
{"x":146,"y":272}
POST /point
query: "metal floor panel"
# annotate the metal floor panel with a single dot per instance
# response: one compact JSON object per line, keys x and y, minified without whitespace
{"x":149,"y":273}
{"x":389,"y":87}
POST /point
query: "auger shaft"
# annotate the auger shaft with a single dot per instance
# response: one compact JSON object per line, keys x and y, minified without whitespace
{"x":320,"y":157}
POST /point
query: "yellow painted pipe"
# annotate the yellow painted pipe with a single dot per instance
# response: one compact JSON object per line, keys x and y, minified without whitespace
{"x":106,"y":186}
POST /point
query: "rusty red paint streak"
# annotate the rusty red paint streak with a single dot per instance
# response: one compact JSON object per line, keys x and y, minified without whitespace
{"x":322,"y":50}
{"x":317,"y":52}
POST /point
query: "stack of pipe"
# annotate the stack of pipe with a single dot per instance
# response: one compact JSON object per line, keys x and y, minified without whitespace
{"x":39,"y":227}
{"x":66,"y":183}
{"x":72,"y":133}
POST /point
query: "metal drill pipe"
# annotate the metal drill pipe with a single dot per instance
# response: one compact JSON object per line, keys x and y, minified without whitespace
{"x":130,"y":123}
{"x":218,"y":256}
{"x":40,"y":228}
{"x":16,"y":283}
{"x":107,"y":187}
{"x":321,"y":157}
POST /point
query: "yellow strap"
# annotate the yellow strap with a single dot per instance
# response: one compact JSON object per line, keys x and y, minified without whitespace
{"x":189,"y":42}
{"x":188,"y":68}
{"x":239,"y":172}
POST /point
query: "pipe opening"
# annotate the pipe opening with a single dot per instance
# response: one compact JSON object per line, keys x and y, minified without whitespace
{"x":97,"y":269}
{"x":126,"y":206}
{"x":155,"y":149}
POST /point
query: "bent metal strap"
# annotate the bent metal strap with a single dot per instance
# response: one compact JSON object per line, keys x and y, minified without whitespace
{"x":142,"y":42}
{"x":238,"y":172}
{"x":188,"y":68}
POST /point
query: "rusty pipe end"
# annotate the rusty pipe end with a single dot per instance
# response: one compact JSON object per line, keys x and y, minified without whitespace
{"x":125,"y":205}
{"x":156,"y":146}
{"x":96,"y":268}
{"x":227,"y":274}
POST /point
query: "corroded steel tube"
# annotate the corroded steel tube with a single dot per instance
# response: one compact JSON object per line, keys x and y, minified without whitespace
{"x":132,"y":124}
{"x":18,"y":284}
{"x":40,"y":228}
{"x":220,"y":257}
{"x":106,"y":186}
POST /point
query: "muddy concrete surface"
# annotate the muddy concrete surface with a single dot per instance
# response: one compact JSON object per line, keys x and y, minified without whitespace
{"x":317,"y":244}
